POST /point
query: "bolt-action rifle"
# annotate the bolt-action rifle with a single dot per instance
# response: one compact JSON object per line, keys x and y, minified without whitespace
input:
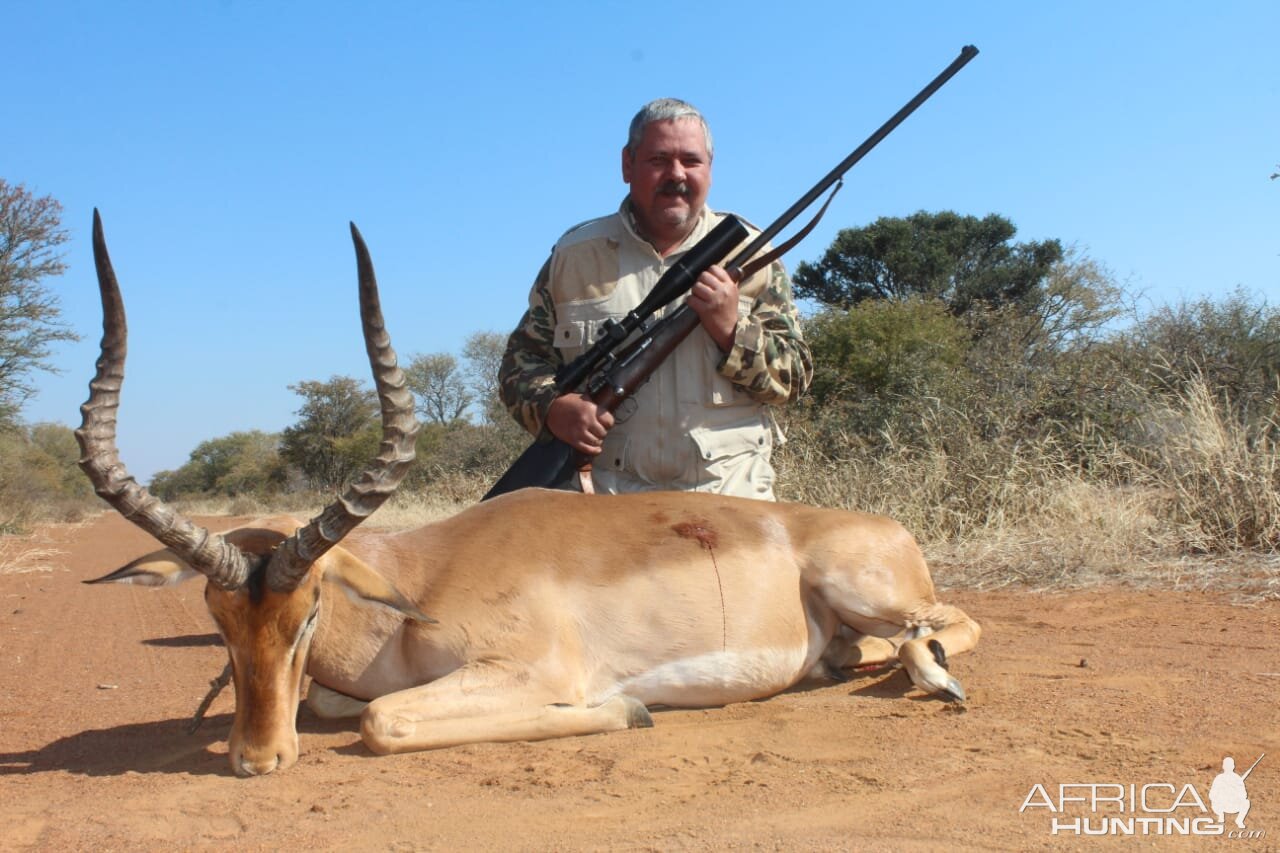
{"x":629,"y":350}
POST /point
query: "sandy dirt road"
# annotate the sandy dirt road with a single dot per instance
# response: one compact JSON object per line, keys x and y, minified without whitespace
{"x":1105,"y":687}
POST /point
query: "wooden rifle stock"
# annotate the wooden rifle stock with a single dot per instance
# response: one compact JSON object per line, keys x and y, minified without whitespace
{"x":641,"y":358}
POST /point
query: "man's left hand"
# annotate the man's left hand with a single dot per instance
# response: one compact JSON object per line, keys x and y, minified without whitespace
{"x":714,"y":298}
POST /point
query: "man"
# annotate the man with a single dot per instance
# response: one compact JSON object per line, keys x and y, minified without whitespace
{"x":701,"y":422}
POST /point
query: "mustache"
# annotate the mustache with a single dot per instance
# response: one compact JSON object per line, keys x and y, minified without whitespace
{"x":680,"y":188}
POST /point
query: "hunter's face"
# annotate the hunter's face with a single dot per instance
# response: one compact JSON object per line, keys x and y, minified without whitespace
{"x":670,"y":176}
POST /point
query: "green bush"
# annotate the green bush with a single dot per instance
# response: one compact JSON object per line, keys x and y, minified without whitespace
{"x":39,"y":477}
{"x":242,"y":463}
{"x":1231,"y":346}
{"x":875,"y":364}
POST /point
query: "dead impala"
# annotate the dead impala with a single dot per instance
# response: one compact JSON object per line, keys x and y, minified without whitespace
{"x":558,"y":613}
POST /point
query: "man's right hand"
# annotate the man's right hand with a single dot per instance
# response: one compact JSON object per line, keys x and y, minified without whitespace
{"x":579,"y":423}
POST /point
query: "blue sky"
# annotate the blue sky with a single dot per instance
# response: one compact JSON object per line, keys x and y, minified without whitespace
{"x":227,"y":145}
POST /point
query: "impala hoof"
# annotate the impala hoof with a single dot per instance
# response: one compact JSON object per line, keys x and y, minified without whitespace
{"x":638,"y":716}
{"x":830,"y":673}
{"x":953,"y":692}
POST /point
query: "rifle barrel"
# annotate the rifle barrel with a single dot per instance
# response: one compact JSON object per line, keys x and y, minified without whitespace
{"x":967,"y":53}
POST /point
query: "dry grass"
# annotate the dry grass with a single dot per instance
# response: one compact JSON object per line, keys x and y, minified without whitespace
{"x":25,"y":554}
{"x":407,"y":510}
{"x":402,"y":511}
{"x":1081,"y":534}
{"x":1219,"y":480}
{"x":1198,"y":507}
{"x":19,"y":515}
{"x":21,"y":549}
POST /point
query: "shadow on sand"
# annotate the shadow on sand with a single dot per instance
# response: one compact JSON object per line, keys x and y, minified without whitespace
{"x":161,"y":746}
{"x":184,"y":642}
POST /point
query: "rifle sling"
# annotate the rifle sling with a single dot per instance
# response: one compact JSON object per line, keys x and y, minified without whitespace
{"x":750,"y":269}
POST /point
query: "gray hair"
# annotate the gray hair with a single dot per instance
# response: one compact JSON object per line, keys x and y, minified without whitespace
{"x":664,"y":109}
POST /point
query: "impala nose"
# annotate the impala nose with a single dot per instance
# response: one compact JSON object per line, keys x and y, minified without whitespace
{"x":260,"y":762}
{"x":259,"y":767}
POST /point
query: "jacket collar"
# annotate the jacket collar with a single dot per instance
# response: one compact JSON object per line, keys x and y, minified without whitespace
{"x":700,"y":228}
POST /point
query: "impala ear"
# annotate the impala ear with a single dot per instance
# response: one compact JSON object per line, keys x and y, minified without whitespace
{"x":362,"y":580}
{"x":159,"y":568}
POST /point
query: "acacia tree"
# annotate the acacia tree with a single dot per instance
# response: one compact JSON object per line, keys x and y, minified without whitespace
{"x":30,"y":316}
{"x":337,"y":431}
{"x":937,"y":309}
{"x":438,"y":386}
{"x":967,"y":262}
{"x":483,"y":354}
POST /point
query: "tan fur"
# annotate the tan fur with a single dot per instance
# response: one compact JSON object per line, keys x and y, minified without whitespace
{"x":561,"y":613}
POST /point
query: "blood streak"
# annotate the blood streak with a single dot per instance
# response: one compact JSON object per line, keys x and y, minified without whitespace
{"x":699,"y":530}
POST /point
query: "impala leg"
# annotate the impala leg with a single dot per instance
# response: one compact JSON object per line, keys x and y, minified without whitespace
{"x":331,"y":705}
{"x":940,"y":631}
{"x":849,"y":649}
{"x":477,"y":704}
{"x":526,"y":724}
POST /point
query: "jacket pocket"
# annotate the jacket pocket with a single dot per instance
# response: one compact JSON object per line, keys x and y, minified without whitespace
{"x":572,"y":337}
{"x":734,"y":460}
{"x":578,"y":324}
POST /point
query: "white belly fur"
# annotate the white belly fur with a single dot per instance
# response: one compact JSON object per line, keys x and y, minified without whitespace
{"x":716,"y":678}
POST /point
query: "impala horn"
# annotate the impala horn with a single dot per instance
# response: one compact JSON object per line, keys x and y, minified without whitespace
{"x":209,"y":553}
{"x":294,"y":557}
{"x":225,"y":564}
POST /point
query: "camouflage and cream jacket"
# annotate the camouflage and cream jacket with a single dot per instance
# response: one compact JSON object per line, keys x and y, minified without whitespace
{"x":701,"y":422}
